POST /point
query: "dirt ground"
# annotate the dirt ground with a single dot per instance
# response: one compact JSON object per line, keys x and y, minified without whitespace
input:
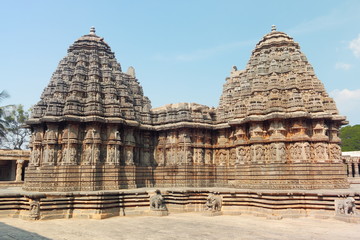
{"x":180,"y":226}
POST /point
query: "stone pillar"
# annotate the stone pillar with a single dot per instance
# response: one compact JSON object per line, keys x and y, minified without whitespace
{"x":350,"y":169}
{"x":19,"y":167}
{"x":356,"y":168}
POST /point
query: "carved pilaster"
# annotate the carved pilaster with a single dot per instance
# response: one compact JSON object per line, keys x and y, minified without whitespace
{"x":19,"y":170}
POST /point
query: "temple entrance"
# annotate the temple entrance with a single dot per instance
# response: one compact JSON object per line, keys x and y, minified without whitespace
{"x":7,"y":170}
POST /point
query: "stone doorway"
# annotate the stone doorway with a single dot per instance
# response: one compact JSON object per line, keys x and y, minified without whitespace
{"x":7,"y":170}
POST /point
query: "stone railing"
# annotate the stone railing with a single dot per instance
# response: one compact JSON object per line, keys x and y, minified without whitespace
{"x":352,"y":160}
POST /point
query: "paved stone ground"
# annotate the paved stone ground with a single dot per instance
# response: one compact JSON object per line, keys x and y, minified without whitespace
{"x":179,"y":226}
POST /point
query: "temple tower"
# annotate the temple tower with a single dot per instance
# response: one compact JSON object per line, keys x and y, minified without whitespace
{"x":84,"y":135}
{"x":282,"y":123}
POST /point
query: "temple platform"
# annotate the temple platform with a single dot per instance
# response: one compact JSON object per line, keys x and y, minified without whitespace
{"x":272,"y":204}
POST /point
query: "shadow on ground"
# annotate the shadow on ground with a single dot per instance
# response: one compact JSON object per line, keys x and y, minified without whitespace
{"x":8,"y":232}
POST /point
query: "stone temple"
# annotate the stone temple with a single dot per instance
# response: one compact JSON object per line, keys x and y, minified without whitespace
{"x":275,"y":127}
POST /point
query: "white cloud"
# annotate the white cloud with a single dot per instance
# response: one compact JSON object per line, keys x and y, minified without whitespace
{"x":342,"y":66}
{"x":347,"y":102}
{"x":354,"y":45}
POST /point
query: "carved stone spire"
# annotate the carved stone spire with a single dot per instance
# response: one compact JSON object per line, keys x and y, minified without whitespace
{"x":89,"y":82}
{"x":92,"y":30}
{"x":279,"y":75}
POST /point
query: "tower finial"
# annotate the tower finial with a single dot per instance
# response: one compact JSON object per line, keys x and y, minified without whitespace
{"x":273,"y":28}
{"x":92,"y":30}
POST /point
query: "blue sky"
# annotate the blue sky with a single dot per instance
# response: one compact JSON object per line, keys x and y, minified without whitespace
{"x":182,"y":50}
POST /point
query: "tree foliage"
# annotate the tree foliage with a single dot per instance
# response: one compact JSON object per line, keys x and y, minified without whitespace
{"x":17,"y":136}
{"x":350,"y":137}
{"x":3,"y":123}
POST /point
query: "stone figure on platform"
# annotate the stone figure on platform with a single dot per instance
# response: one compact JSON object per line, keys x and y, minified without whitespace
{"x":213,"y":203}
{"x":157,"y":201}
{"x":34,"y":209}
{"x":345,"y":206}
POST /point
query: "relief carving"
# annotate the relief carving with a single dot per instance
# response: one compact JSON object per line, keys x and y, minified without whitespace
{"x":35,"y":157}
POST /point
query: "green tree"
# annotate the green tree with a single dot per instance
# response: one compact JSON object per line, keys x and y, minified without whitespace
{"x":3,"y":123}
{"x":350,"y":138}
{"x":17,"y":136}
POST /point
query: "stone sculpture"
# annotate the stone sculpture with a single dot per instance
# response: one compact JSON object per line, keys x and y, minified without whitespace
{"x":213,"y":202}
{"x":345,"y":206}
{"x":157,"y":201}
{"x":34,"y":209}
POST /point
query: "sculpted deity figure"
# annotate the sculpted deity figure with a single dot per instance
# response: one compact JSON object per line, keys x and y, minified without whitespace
{"x":335,"y":151}
{"x":87,"y":155}
{"x":295,"y":152}
{"x":72,"y":155}
{"x":222,"y":160}
{"x":64,"y":155}
{"x":259,"y":153}
{"x":312,"y":152}
{"x":110,"y":158}
{"x":129,"y":157}
{"x":273,"y":153}
{"x":35,"y":159}
{"x":51,"y":156}
{"x":59,"y":157}
{"x":201,"y":156}
{"x":281,"y":152}
{"x":232,"y":156}
{"x":247,"y":154}
{"x":320,"y":152}
{"x":34,"y":209}
{"x":96,"y":155}
{"x":307,"y":151}
{"x":208,"y":157}
{"x":160,"y":157}
{"x":189,"y":157}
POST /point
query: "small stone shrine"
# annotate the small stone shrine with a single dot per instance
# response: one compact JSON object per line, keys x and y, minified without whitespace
{"x":275,"y":127}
